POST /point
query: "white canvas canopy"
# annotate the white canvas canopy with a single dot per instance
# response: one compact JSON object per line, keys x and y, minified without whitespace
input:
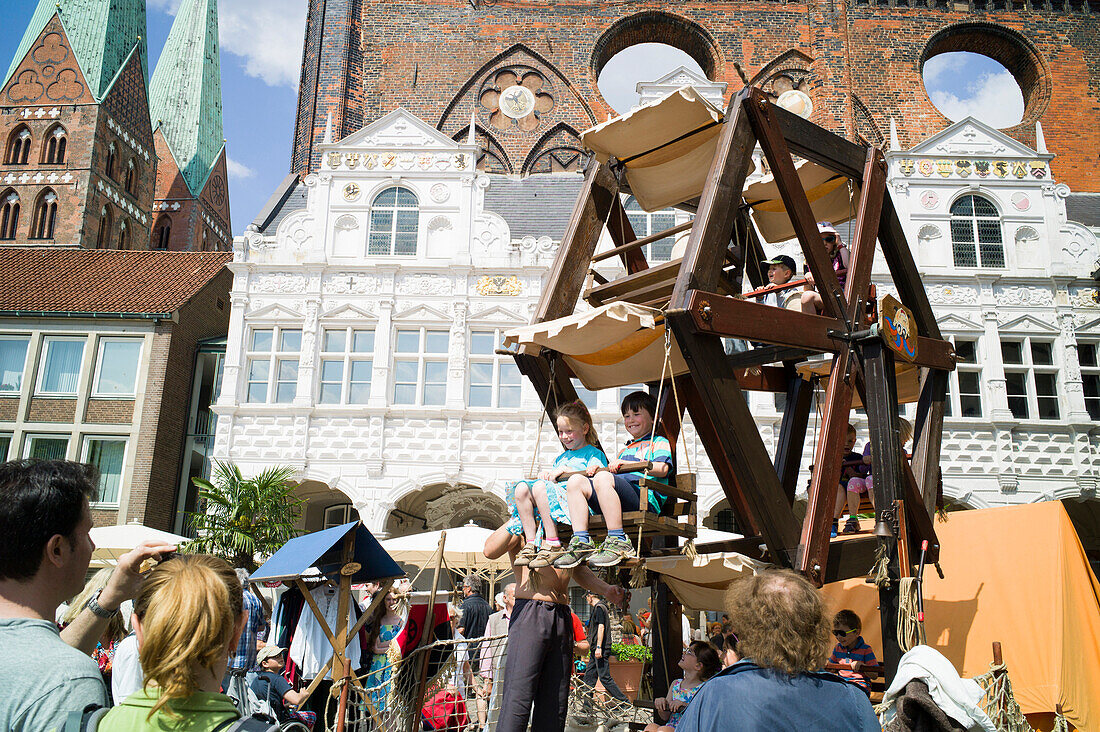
{"x":701,"y":583}
{"x":462,"y":552}
{"x":667,"y":147}
{"x":111,"y":542}
{"x":617,"y":344}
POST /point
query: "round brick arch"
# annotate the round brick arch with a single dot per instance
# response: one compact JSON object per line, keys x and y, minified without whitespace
{"x":1008,"y":48}
{"x":654,"y":26}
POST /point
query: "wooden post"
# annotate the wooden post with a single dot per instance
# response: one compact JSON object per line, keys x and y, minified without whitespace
{"x":429,"y":636}
{"x":792,"y":430}
{"x":342,"y":618}
{"x":886,"y":457}
{"x":665,"y":635}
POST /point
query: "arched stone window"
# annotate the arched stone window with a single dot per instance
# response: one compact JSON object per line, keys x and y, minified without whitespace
{"x":976,"y":239}
{"x":53,"y":152}
{"x":394,"y":220}
{"x":45,"y":214}
{"x":9,"y":215}
{"x":112,"y":160}
{"x":19,"y":146}
{"x":131,"y":174}
{"x":162,"y":232}
{"x":102,"y":240}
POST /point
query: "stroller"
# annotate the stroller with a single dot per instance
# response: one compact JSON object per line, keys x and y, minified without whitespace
{"x":251,"y":705}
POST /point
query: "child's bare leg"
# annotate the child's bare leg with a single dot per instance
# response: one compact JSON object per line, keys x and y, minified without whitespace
{"x":543,"y":504}
{"x":578,"y":491}
{"x":840,"y":499}
{"x":525,"y":507}
{"x":604,"y":485}
{"x":811,"y":302}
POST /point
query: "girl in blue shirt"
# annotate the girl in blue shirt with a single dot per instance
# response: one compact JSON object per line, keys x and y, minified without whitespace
{"x":544,"y":500}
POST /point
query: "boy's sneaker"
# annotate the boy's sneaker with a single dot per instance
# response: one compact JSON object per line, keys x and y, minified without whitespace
{"x":575,"y":554}
{"x":851,"y":526}
{"x":835,"y":529}
{"x":526,"y":554}
{"x":612,"y":552}
{"x":547,"y":555}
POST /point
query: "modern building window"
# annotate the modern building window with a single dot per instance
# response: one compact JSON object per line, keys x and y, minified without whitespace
{"x":965,"y":382}
{"x":117,"y":367}
{"x":420,"y":366}
{"x":103,"y":236}
{"x":273,"y":365}
{"x":13,"y":361}
{"x":9,"y":215}
{"x":162,"y":233}
{"x":976,"y":239}
{"x":45,"y":215}
{"x":131,"y":174}
{"x":645,"y":224}
{"x":494,"y":380}
{"x":394,"y":219}
{"x":340,"y":514}
{"x":60,"y":370}
{"x":346,"y":363}
{"x":1031,"y":378}
{"x":53,"y":153}
{"x":1087,"y":355}
{"x":5,"y":446}
{"x":112,"y":161}
{"x":19,"y":146}
{"x":46,"y":447}
{"x":107,"y":454}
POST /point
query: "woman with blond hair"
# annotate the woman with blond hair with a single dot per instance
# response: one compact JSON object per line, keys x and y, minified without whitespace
{"x":188,"y":617}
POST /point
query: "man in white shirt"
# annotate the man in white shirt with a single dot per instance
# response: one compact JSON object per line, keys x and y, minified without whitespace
{"x":126,"y":674}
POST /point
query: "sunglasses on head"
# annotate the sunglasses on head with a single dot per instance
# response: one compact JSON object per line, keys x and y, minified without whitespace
{"x":844,"y":633}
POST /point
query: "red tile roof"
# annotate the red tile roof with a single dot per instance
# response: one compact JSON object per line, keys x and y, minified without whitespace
{"x":49,"y":280}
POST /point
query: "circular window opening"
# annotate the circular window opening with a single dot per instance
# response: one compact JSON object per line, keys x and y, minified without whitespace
{"x":643,"y":62}
{"x":963,"y":84}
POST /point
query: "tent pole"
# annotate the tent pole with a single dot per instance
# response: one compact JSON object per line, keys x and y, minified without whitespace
{"x":429,"y":635}
{"x":343,"y":615}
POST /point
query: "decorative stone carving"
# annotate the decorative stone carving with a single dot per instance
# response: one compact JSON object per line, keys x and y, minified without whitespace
{"x":440,"y":192}
{"x":1025,"y":296}
{"x":531,"y":245}
{"x":499,"y":285}
{"x":1084,"y":298}
{"x":280,"y":282}
{"x":927,"y":233}
{"x":423,"y":285}
{"x":350,"y":283}
{"x":1078,"y":244}
{"x":952,"y":295}
{"x":490,"y":231}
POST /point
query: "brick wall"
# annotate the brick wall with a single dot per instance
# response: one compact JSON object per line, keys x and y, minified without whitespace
{"x":364,"y":58}
{"x":9,"y":409}
{"x":109,"y":411}
{"x":47,"y":409}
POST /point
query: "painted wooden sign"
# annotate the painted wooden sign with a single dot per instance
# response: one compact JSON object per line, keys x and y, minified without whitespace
{"x":896,"y":324}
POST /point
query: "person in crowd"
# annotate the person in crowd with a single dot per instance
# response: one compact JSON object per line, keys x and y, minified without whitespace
{"x":540,"y":640}
{"x":838,"y":256}
{"x":104,"y":652}
{"x":630,"y":629}
{"x":700,"y":661}
{"x":783,"y":637}
{"x":188,"y":616}
{"x":475,"y":613}
{"x":728,"y":649}
{"x":852,"y":651}
{"x":268,"y":684}
{"x":126,"y":675}
{"x":718,"y":633}
{"x":862,"y":481}
{"x":44,"y":555}
{"x":383,"y":630}
{"x":252,"y":640}
{"x":611,"y":492}
{"x":780,"y":271}
{"x":495,"y":651}
{"x":599,"y":641}
{"x":852,"y":467}
{"x":543,"y":502}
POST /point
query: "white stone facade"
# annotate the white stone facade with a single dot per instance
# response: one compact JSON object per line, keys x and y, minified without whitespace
{"x":471,"y":275}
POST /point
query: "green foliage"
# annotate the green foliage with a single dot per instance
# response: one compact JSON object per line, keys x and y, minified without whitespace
{"x":626,"y":652}
{"x":241,"y":519}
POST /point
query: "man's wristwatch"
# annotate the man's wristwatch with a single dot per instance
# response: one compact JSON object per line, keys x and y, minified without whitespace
{"x":99,"y":612}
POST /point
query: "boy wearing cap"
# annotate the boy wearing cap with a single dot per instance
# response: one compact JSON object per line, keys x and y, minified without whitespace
{"x":269,"y":684}
{"x":780,"y":271}
{"x":838,"y":253}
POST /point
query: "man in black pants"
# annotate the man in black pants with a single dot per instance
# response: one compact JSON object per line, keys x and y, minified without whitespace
{"x":599,"y":639}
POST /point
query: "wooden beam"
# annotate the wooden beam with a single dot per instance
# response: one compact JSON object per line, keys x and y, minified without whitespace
{"x":767,"y":354}
{"x":764,"y":126}
{"x":792,"y":431}
{"x":762,"y":378}
{"x":754,"y":251}
{"x":903,"y":270}
{"x":566,"y":279}
{"x":850,"y":558}
{"x":624,"y":238}
{"x":858,"y":281}
{"x":928,"y":433}
{"x":719,"y":205}
{"x":635,"y":244}
{"x":736,"y":435}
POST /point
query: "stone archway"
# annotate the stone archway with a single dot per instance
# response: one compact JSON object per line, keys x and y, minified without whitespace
{"x":324,"y":507}
{"x":445,"y":506}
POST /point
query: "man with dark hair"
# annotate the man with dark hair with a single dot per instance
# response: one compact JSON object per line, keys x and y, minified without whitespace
{"x":44,"y":556}
{"x":599,"y":643}
{"x":783,"y":638}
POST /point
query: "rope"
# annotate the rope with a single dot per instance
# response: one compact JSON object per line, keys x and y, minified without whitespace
{"x":910,"y":630}
{"x":552,"y":397}
{"x":999,"y":702}
{"x":1061,"y":724}
{"x":880,"y":570}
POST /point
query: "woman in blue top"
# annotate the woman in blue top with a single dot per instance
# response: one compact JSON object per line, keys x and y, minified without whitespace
{"x":544,"y":500}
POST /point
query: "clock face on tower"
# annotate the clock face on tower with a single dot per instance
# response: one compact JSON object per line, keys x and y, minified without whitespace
{"x":517,"y":102}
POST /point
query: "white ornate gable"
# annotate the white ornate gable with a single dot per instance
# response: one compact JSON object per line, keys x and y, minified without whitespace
{"x":712,"y":91}
{"x":954,"y":321}
{"x":399,"y":128}
{"x":680,"y":76}
{"x":1027,"y":324}
{"x":499,"y":314}
{"x":972,"y":138}
{"x":348,"y":311}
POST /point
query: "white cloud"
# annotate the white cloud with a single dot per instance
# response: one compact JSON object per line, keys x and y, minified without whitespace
{"x":946,"y":63}
{"x":994,"y":98}
{"x":266,"y":34}
{"x":238,"y":170}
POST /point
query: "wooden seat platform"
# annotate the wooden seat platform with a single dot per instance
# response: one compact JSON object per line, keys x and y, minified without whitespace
{"x":652,"y":286}
{"x":677,"y":516}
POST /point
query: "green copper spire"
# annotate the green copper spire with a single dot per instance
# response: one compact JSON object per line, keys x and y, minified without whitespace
{"x":185,"y":95}
{"x":102,"y":34}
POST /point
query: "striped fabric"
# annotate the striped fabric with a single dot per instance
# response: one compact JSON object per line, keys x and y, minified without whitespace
{"x":859,"y":652}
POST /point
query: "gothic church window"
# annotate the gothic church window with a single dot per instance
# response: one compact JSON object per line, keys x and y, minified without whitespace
{"x":19,"y":146}
{"x":131,"y":173}
{"x":112,"y":160}
{"x":53,"y":153}
{"x":102,"y":240}
{"x":9,"y":215}
{"x":976,"y":239}
{"x":45,"y":214}
{"x":163,"y":232}
{"x":123,"y":236}
{"x":394,"y":221}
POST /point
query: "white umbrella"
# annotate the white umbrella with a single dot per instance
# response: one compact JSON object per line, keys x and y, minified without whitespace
{"x":111,"y":542}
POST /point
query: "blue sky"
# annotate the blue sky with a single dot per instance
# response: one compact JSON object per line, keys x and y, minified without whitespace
{"x":261,"y":44}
